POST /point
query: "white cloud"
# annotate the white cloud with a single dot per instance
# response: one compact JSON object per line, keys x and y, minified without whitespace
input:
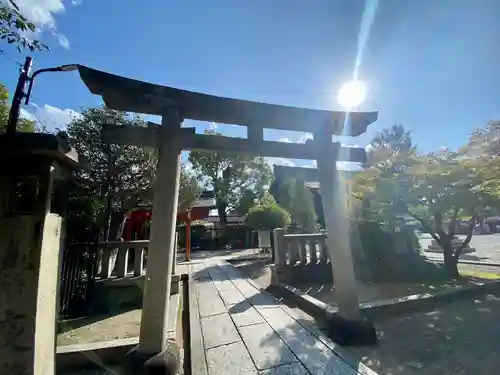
{"x":212,"y":126}
{"x":76,"y":2}
{"x":27,"y":115}
{"x":42,"y":14}
{"x":304,"y":137}
{"x":312,"y":164}
{"x":285,"y":140}
{"x":50,"y":117}
{"x":63,"y":41}
{"x":280,"y":161}
{"x":349,"y":166}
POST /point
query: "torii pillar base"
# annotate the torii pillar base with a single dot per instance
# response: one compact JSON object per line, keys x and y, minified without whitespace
{"x":359,"y":332}
{"x":164,"y":363}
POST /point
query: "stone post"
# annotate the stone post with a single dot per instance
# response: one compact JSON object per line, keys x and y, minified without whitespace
{"x":339,"y":248}
{"x":302,"y":251}
{"x":313,"y":251}
{"x":153,"y":332}
{"x":30,"y":243}
{"x":122,"y":262}
{"x":279,"y":246}
{"x":138,"y":261}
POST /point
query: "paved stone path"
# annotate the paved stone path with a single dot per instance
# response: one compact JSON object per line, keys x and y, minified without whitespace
{"x":247,"y":331}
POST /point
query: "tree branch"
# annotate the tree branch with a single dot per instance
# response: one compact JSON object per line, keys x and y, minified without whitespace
{"x":467,"y":240}
{"x":427,"y":227}
{"x":453,"y":223}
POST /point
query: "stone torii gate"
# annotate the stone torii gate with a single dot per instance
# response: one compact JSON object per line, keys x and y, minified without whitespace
{"x":175,"y":105}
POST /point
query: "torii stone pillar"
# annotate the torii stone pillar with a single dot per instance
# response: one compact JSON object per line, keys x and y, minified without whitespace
{"x":153,"y":332}
{"x":348,"y":328}
{"x":338,"y":243}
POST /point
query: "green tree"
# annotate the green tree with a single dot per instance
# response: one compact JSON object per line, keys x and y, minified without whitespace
{"x":190,"y":189}
{"x":13,"y":25}
{"x":482,"y":152}
{"x":390,"y":148}
{"x":246,"y":201}
{"x":443,"y":188}
{"x":23,"y":124}
{"x":229,"y":176}
{"x":377,"y":191}
{"x":297,"y":199}
{"x":115,"y":177}
{"x":267,"y":215}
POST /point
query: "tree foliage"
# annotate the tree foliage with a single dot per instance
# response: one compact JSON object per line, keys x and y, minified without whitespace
{"x":129,"y":169}
{"x":119,"y":176}
{"x":230,"y":176}
{"x":13,"y":26}
{"x":267,"y":215}
{"x":444,"y":188}
{"x":190,"y":189}
{"x":377,"y":191}
{"x":246,"y":201}
{"x":482,"y":153}
{"x":437,"y":189}
{"x":297,"y":199}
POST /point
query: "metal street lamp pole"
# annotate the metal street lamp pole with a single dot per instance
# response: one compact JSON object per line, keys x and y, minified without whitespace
{"x":15,"y":108}
{"x":19,"y":94}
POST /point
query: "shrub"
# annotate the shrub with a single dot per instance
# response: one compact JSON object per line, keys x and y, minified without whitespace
{"x":267,"y":215}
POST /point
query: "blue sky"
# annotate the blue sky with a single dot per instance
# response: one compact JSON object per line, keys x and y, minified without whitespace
{"x":430,"y":65}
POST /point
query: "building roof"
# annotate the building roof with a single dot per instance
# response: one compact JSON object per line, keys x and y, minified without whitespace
{"x":127,"y":94}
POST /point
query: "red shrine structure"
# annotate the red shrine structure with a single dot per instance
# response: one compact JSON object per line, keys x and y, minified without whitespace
{"x":136,"y":222}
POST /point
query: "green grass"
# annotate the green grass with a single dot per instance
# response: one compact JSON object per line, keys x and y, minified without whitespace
{"x":481,"y":275}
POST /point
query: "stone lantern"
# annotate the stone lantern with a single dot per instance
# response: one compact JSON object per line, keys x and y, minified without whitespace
{"x":30,"y":245}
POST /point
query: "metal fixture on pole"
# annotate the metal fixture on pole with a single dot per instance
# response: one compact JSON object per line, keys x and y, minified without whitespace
{"x":19,"y":94}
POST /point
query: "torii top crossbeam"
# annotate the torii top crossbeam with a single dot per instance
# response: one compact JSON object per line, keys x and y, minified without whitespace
{"x":127,"y":94}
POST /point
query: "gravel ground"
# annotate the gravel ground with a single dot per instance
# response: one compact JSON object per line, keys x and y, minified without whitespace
{"x":459,"y":338}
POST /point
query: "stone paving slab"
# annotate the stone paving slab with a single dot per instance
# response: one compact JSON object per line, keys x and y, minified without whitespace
{"x":265,"y":346}
{"x":224,"y":285}
{"x":211,"y":306}
{"x":230,"y":359}
{"x":248,"y":331}
{"x":291,"y":369}
{"x":232,"y":297}
{"x":244,"y":314}
{"x":218,"y":330}
{"x":206,"y":290}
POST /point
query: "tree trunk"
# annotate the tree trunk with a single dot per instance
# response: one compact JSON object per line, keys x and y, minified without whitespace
{"x":450,"y":261}
{"x":221,"y":210}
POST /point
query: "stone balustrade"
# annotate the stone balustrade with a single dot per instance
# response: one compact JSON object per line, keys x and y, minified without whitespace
{"x":304,"y":249}
{"x":113,"y":256}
